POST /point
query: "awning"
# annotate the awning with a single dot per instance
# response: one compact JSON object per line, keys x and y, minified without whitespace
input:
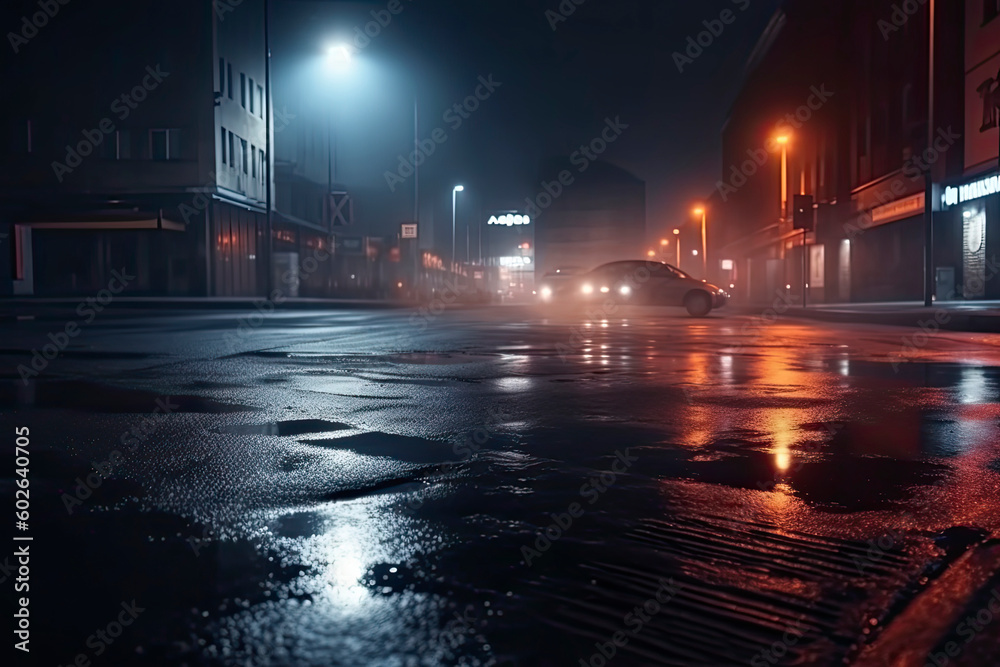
{"x":106,"y":223}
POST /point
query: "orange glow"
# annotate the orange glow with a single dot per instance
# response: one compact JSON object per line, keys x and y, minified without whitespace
{"x":783,"y":139}
{"x":664,"y":242}
{"x":677,"y":232}
{"x":699,"y":211}
{"x":651,"y":253}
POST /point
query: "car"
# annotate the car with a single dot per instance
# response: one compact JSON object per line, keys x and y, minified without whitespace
{"x":554,"y":281}
{"x":645,"y":283}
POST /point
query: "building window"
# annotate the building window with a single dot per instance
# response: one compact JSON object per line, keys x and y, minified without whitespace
{"x":223,"y":146}
{"x":253,"y":160}
{"x":243,"y":89}
{"x":250,"y":89}
{"x":229,"y":77}
{"x":243,"y":149}
{"x":232,"y":150}
{"x":260,"y":99}
{"x":222,"y":76}
{"x":165,"y":144}
{"x":991,"y":9}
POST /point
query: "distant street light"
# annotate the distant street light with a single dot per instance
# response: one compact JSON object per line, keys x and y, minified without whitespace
{"x":694,"y":252}
{"x":651,"y":253}
{"x":454,"y":204}
{"x":704,"y":240}
{"x":677,"y":233}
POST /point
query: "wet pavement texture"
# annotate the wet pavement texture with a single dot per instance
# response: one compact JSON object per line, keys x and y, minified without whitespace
{"x":495,"y":486}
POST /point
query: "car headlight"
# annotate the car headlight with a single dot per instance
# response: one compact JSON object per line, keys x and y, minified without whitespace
{"x":625,"y":290}
{"x":588,"y":289}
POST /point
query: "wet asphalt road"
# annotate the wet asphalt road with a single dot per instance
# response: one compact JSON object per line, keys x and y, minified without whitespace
{"x":493,"y":486}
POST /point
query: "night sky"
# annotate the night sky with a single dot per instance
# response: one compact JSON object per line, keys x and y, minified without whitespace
{"x":605,"y":60}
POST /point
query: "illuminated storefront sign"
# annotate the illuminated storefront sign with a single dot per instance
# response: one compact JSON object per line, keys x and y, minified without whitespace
{"x":515,"y":262}
{"x":971,"y":191}
{"x":510,"y":220}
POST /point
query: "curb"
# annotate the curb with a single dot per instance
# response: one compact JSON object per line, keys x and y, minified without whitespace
{"x":970,"y":322}
{"x":910,"y":638}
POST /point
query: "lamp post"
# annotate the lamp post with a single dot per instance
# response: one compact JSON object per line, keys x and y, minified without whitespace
{"x":454,"y":208}
{"x":677,"y":233}
{"x":929,"y":278}
{"x":704,"y":240}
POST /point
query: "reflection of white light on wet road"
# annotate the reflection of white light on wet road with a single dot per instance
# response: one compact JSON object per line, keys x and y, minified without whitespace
{"x":973,"y":387}
{"x":514,"y":384}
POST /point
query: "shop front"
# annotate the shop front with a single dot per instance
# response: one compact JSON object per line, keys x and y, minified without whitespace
{"x":971,"y":209}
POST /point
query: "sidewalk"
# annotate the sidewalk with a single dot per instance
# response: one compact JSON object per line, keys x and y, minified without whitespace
{"x":971,"y":316}
{"x":21,"y":308}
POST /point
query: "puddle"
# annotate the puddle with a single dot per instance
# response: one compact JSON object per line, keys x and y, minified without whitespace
{"x":399,"y":447}
{"x":287,"y":428}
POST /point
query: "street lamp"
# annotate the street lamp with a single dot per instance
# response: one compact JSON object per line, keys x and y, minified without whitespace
{"x":677,"y":233}
{"x":651,"y":254}
{"x":339,"y":58}
{"x":454,"y":204}
{"x":783,"y":142}
{"x":704,"y":241}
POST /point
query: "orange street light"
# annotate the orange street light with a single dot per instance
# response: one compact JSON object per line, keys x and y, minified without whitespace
{"x":704,"y":240}
{"x":651,"y":253}
{"x":783,"y":142}
{"x":664,"y":242}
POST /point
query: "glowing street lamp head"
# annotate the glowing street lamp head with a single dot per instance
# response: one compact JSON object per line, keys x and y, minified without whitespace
{"x":694,"y":252}
{"x":651,"y":253}
{"x":339,"y":56}
{"x":699,"y":211}
{"x":677,"y":232}
{"x":664,"y":242}
{"x":459,"y":188}
{"x":782,"y":139}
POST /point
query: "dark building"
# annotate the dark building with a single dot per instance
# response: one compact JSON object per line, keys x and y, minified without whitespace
{"x":148,"y":155}
{"x":847,"y":87}
{"x":597,"y":216}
